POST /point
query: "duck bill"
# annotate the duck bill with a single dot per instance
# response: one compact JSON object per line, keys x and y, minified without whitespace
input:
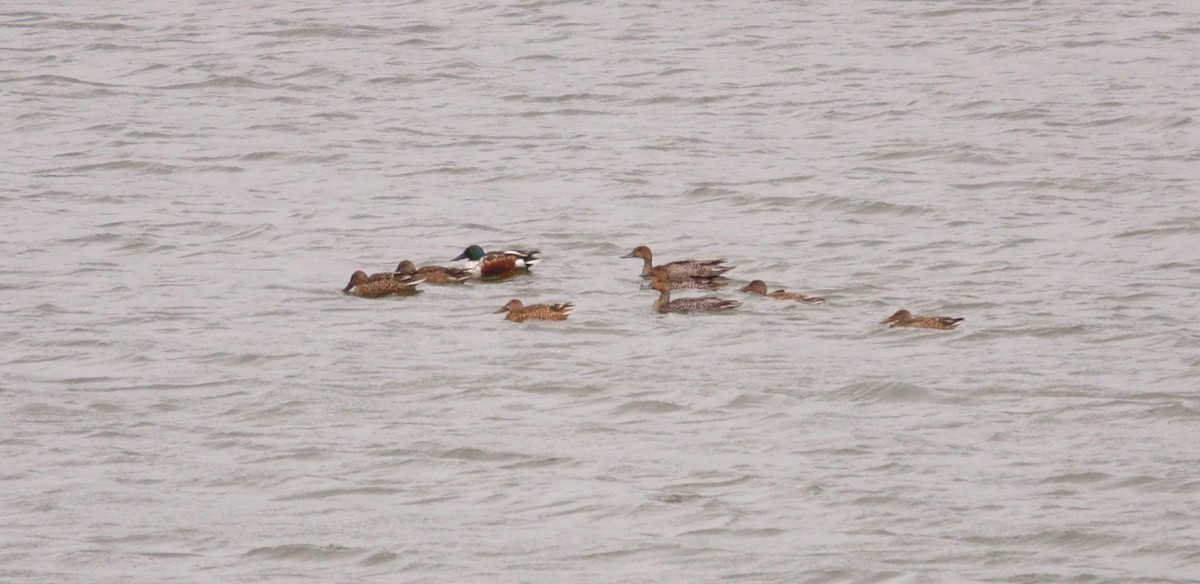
{"x":502,"y":309}
{"x":348,"y":287}
{"x":628,"y":255}
{"x":461,"y":256}
{"x":745,"y":289}
{"x":889,"y":319}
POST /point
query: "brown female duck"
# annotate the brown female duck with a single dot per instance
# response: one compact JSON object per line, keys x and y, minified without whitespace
{"x":760,"y":287}
{"x":664,"y":303}
{"x":679,"y":270}
{"x":906,"y":318}
{"x":382,"y":284}
{"x":518,"y":312}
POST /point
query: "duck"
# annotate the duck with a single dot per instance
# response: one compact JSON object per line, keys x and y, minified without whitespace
{"x":677,"y":270}
{"x":760,"y":287}
{"x":434,"y":274}
{"x":518,"y":312}
{"x":664,"y":304}
{"x":380,"y":285}
{"x":497,"y":264}
{"x":906,"y":318}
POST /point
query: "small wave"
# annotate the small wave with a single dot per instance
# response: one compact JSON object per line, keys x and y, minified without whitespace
{"x":450,"y":170}
{"x":675,"y":498}
{"x":1027,"y":113}
{"x":537,"y":463}
{"x":1080,"y":478}
{"x":1159,"y":231}
{"x":330,"y":493}
{"x":1072,"y":539}
{"x":480,"y":455}
{"x":701,"y":484}
{"x":379,"y":558}
{"x":563,"y":98}
{"x":537,"y":58}
{"x":710,"y":193}
{"x":956,"y":11}
{"x":888,"y":391}
{"x":1170,"y":412}
{"x":218,"y":81}
{"x":1053,"y":332}
{"x":316,"y":72}
{"x":306,"y":552}
{"x":563,"y":112}
{"x":1074,"y":44}
{"x":115,"y":165}
{"x":251,"y":233}
{"x":736,"y":533}
{"x":1172,"y":122}
{"x":314,"y":31}
{"x":58,"y":80}
{"x":866,"y":207}
{"x":647,"y":407}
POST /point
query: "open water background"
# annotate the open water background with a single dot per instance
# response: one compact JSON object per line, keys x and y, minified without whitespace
{"x":186,"y":396}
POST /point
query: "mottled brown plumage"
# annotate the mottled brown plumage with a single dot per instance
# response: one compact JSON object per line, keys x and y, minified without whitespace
{"x":518,"y":312}
{"x":906,"y":318}
{"x":680,"y":270}
{"x":434,"y":274}
{"x":760,"y":287}
{"x":379,"y":285}
{"x":664,"y":303}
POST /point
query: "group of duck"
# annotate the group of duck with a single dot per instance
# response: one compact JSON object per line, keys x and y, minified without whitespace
{"x":677,"y":275}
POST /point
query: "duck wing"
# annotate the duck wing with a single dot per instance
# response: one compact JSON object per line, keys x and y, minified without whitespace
{"x":523,"y":257}
{"x":707,"y":303}
{"x":549,"y":311}
{"x":692,"y":269}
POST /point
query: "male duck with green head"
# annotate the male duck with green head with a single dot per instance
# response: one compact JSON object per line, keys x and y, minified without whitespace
{"x":497,"y":264}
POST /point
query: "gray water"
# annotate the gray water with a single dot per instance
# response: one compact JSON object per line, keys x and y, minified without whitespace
{"x":188,"y":397}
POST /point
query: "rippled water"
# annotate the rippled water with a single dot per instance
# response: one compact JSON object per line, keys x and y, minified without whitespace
{"x":187,"y":396}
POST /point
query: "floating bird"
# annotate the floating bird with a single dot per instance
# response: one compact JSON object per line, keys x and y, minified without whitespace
{"x":664,"y":303}
{"x":378,"y":285}
{"x":677,"y":270}
{"x":760,"y":287}
{"x":518,"y":312}
{"x":906,"y":318}
{"x":434,"y":274}
{"x":497,"y":264}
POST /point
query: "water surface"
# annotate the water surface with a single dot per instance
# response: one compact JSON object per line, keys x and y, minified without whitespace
{"x":188,"y":396}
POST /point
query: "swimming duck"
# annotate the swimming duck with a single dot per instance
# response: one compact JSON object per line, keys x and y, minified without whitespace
{"x":434,"y":274}
{"x":906,"y":318}
{"x":518,"y":312}
{"x":664,"y":303}
{"x":497,"y":264}
{"x":760,"y":287}
{"x":379,"y":285}
{"x":677,"y":270}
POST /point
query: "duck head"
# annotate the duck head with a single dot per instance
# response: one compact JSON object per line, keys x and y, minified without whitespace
{"x":640,"y":251}
{"x":900,"y":316}
{"x":359,"y":277}
{"x":755,"y":287}
{"x":473,"y":253}
{"x":511,"y":306}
